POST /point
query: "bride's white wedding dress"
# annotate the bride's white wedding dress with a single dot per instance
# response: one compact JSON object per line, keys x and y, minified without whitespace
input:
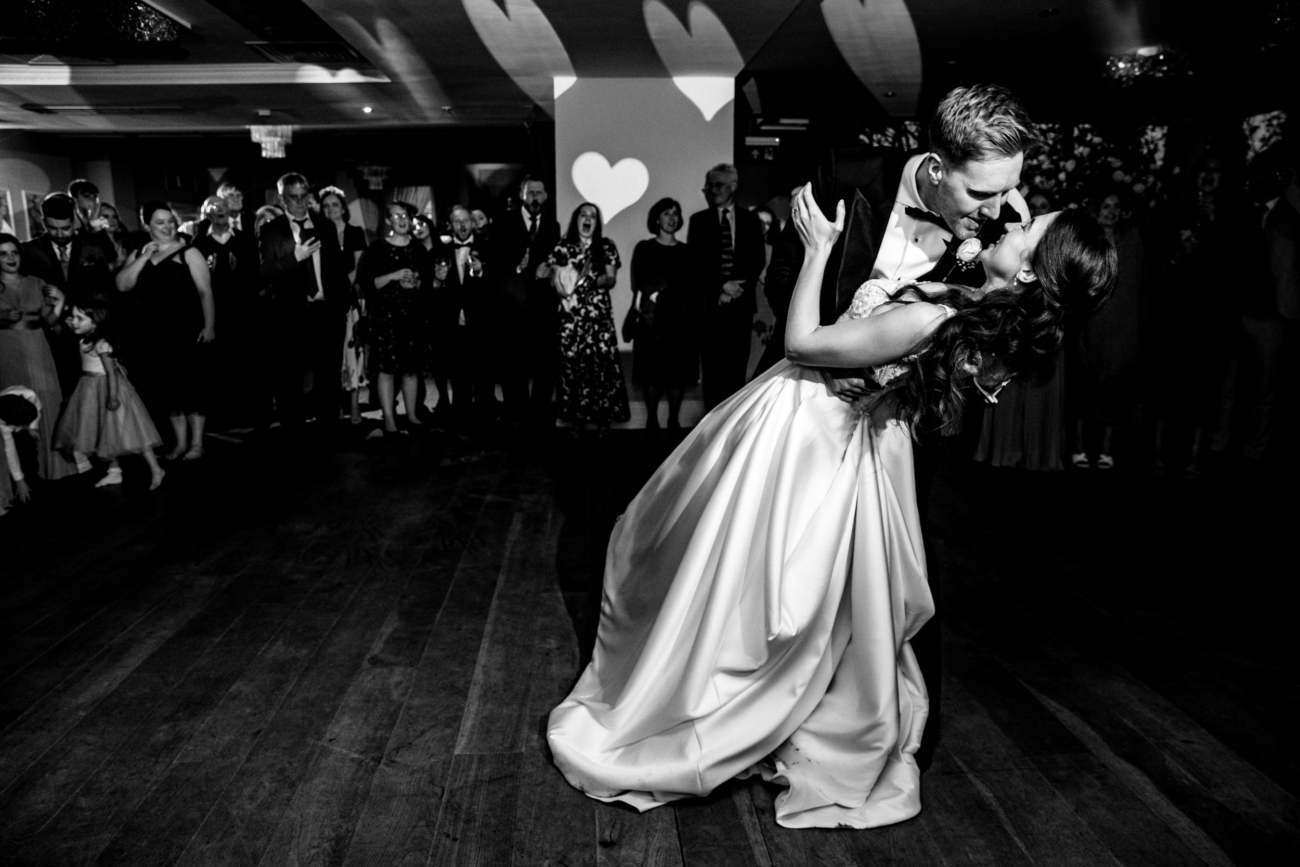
{"x":759,"y":595}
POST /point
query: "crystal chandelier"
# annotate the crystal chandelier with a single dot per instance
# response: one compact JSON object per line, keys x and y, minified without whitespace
{"x":272,"y":139}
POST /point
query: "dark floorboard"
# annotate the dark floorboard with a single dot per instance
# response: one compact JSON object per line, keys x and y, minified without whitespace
{"x":346,"y":655}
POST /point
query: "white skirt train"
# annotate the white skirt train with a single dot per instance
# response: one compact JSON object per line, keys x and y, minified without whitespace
{"x":759,"y":595}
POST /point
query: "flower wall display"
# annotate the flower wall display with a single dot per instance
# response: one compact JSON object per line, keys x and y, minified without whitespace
{"x":1077,"y":163}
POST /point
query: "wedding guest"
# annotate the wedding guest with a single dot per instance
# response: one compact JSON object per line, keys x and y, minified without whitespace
{"x":391,"y":276}
{"x":482,"y":224}
{"x":91,"y":224}
{"x":726,"y":245}
{"x":173,"y":290}
{"x":231,"y":257}
{"x":116,"y":234}
{"x":1039,"y":203}
{"x":1106,"y":344}
{"x":665,"y":343}
{"x":20,"y":412}
{"x":1272,"y":305}
{"x":422,"y":231}
{"x":1196,"y":322}
{"x":65,"y":259}
{"x":27,"y":306}
{"x":463,"y":319}
{"x":307,"y":317}
{"x":1025,"y":429}
{"x":522,"y":240}
{"x":341,"y":251}
{"x":584,"y":269}
{"x":234,"y":200}
{"x":341,"y":247}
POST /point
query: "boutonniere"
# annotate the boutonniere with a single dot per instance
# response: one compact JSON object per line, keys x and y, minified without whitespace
{"x":967,"y":252}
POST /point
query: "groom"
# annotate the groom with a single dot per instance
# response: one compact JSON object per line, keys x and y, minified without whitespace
{"x":906,"y":218}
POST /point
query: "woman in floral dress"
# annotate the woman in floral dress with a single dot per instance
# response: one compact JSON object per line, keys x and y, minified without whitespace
{"x":584,"y":268}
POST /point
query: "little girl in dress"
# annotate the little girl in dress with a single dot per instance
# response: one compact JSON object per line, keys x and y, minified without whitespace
{"x":104,"y":416}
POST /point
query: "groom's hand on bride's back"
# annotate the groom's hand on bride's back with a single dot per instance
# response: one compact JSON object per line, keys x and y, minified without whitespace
{"x":846,"y":388}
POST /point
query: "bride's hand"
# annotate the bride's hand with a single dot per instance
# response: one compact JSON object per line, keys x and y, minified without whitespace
{"x":814,"y":229}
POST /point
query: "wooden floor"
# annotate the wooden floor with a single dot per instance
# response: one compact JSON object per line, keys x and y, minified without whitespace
{"x":346,"y":656}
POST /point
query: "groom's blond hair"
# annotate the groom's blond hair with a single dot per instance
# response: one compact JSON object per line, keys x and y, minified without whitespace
{"x":980,"y":122}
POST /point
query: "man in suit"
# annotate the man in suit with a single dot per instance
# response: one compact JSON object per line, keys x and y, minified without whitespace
{"x":906,"y":216}
{"x":66,"y":259}
{"x":79,"y":268}
{"x":306,"y":323}
{"x":462,"y":310}
{"x":727,"y":255}
{"x":522,"y":239}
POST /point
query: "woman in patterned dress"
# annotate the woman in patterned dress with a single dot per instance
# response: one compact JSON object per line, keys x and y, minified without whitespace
{"x":584,"y":269}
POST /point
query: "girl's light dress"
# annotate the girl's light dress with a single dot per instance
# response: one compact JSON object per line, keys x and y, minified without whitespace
{"x":89,"y":427}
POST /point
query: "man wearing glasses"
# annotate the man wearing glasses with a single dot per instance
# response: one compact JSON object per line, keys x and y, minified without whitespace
{"x":727,"y":255}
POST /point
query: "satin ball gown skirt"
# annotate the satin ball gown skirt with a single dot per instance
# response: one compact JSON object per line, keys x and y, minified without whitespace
{"x":760,"y":592}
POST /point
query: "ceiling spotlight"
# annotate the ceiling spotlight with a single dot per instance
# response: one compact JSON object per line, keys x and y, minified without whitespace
{"x":366,"y":109}
{"x":891,"y":93}
{"x":1049,"y":12}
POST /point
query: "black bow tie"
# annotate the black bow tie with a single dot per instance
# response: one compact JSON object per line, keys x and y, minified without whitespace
{"x":926,"y":217}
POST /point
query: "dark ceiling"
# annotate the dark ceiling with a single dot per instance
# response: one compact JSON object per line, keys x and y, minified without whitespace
{"x":220,"y":65}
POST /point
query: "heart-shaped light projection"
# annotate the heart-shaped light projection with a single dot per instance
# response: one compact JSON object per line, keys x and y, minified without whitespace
{"x":709,"y":93}
{"x":878,"y":41}
{"x":703,"y":61}
{"x":525,"y":44}
{"x":610,"y":188}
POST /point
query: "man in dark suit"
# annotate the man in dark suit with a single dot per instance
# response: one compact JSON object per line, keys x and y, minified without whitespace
{"x":906,"y":217}
{"x":522,"y":239}
{"x":306,"y":323}
{"x":63,"y":258}
{"x":727,"y":255}
{"x":462,"y":312}
{"x":78,"y":267}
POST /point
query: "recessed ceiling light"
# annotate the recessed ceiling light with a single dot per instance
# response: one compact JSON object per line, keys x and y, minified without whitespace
{"x":367,"y":109}
{"x":1048,"y":12}
{"x":891,"y":93}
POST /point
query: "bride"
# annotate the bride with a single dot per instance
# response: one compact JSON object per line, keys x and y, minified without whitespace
{"x":761,"y":589}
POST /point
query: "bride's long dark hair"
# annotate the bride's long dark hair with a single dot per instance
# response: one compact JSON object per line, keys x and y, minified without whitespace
{"x":1013,"y":332}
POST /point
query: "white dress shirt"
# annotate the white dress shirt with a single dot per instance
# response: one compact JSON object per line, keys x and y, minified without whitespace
{"x":910,"y":248}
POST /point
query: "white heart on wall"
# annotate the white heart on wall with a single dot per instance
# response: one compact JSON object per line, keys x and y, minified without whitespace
{"x":702,"y":61}
{"x":522,"y":40}
{"x":610,"y":188}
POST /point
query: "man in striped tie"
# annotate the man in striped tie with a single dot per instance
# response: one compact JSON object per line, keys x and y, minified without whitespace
{"x":727,"y":254}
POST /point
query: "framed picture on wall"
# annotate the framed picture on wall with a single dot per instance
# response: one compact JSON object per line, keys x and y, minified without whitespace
{"x":8,"y":223}
{"x":35,"y":214}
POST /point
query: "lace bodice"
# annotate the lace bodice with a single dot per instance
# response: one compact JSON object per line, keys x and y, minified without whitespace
{"x":869,"y":296}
